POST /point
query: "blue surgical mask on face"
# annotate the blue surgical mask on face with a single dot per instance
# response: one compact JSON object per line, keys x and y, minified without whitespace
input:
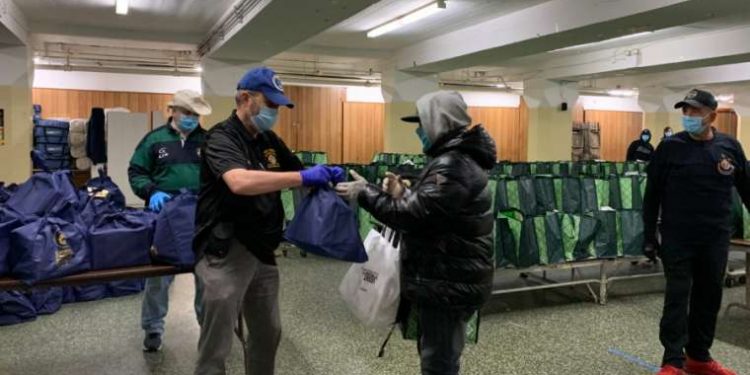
{"x":426,"y":143}
{"x":266,"y":118}
{"x":668,"y":134}
{"x":693,"y":124}
{"x":187,"y":123}
{"x":645,"y":138}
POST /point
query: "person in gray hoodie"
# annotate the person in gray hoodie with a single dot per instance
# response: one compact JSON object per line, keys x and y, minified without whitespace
{"x":446,"y":223}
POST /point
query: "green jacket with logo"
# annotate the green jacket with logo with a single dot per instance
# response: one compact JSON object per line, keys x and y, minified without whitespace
{"x":164,"y":162}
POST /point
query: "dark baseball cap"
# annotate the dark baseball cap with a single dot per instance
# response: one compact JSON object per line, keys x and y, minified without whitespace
{"x":412,"y":118}
{"x":265,"y":81}
{"x":698,"y":99}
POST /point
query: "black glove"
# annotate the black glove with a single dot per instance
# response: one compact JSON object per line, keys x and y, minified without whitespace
{"x":650,"y":250}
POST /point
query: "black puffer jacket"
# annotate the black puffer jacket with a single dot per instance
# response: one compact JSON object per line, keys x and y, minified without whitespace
{"x":446,"y":222}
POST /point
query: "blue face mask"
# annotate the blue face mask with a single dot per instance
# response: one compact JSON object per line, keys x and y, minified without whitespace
{"x":693,"y":124}
{"x":266,"y":119}
{"x":426,"y":143}
{"x":645,"y":138}
{"x":187,"y":123}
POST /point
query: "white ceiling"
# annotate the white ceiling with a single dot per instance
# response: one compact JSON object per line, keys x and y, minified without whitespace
{"x":351,"y":33}
{"x":184,"y":21}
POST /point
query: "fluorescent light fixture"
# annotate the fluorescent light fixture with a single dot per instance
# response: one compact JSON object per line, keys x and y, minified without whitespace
{"x":121,"y":7}
{"x":37,"y":60}
{"x":199,"y":69}
{"x":407,"y":18}
{"x":616,"y":39}
{"x":500,"y":85}
{"x":725,"y":98}
{"x":625,"y":93}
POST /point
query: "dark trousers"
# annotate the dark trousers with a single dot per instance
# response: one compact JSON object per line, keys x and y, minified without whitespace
{"x":443,"y":335}
{"x":692,"y":300}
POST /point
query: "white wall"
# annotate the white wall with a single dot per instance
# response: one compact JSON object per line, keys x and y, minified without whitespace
{"x":59,"y":79}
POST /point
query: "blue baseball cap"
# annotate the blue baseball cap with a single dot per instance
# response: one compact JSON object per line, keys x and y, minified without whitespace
{"x":265,"y":80}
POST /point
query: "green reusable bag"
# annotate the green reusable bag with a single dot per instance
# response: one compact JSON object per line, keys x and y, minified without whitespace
{"x":568,"y":194}
{"x":630,"y":233}
{"x":578,"y":233}
{"x":507,"y":239}
{"x":366,"y":222}
{"x":625,"y":192}
{"x":738,"y":216}
{"x":541,"y":241}
{"x":520,"y":169}
{"x":606,"y":243}
{"x":596,"y":194}
{"x":411,"y":330}
{"x":544,"y":188}
{"x":287,"y":200}
{"x":516,"y":194}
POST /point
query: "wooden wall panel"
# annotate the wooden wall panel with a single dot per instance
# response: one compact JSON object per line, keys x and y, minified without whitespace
{"x":726,"y":121}
{"x":363,"y":131}
{"x":504,"y":125}
{"x":617,"y":130}
{"x":523,"y":122}
{"x":319,"y":120}
{"x":78,"y":103}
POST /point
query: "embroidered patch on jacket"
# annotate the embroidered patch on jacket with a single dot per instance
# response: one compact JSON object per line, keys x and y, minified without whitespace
{"x":272,"y":161}
{"x":725,"y":166}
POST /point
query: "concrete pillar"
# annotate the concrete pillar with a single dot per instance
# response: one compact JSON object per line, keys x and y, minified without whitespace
{"x":401,"y":91}
{"x":549,"y":127}
{"x":219,"y":80}
{"x":16,"y":76}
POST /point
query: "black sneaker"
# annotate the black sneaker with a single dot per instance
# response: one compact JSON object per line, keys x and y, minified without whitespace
{"x":152,"y":342}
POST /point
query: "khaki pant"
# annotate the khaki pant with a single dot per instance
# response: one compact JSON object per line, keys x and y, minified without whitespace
{"x":238,"y":283}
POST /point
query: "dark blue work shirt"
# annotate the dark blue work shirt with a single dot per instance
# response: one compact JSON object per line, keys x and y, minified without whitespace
{"x":691,"y":182}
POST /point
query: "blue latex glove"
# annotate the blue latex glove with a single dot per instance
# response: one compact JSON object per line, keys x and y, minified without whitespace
{"x":317,"y":176}
{"x":338,"y":174}
{"x":157,"y":200}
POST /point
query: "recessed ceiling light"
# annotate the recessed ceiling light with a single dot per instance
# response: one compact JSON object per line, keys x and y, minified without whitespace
{"x":121,"y":7}
{"x":725,"y":98}
{"x":623,"y":92}
{"x":407,"y":18}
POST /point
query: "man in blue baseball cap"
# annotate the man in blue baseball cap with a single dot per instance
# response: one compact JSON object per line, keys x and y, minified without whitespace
{"x":239,"y":222}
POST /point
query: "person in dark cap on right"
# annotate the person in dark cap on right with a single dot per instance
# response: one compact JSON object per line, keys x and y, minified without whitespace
{"x":690,"y":180}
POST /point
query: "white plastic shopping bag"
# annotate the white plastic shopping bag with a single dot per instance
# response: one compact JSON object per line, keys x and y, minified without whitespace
{"x":372,"y":289}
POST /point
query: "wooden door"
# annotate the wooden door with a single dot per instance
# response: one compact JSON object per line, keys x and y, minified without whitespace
{"x":617,"y":130}
{"x":363,"y":131}
{"x":504,"y":125}
{"x":726,"y":121}
{"x":318,"y":114}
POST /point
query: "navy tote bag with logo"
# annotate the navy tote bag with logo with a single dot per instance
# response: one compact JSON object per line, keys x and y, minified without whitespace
{"x":325,"y":225}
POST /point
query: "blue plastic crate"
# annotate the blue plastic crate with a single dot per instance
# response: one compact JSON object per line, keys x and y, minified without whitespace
{"x":51,"y":131}
{"x":53,"y":150}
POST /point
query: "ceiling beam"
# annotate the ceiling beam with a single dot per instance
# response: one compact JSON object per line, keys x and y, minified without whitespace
{"x":681,"y":79}
{"x":12,"y":19}
{"x":272,"y":27}
{"x":695,"y":51}
{"x":552,"y":25}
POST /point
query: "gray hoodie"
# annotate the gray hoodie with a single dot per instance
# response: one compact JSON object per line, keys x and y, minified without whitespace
{"x":441,"y":112}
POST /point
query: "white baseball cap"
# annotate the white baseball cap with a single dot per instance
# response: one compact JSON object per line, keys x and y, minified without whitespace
{"x":192,"y":101}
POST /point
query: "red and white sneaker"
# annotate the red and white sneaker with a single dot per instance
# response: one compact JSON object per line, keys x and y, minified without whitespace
{"x":671,"y":370}
{"x":712,"y":367}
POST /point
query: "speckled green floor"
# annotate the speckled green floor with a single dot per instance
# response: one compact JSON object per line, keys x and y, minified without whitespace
{"x":552,"y":332}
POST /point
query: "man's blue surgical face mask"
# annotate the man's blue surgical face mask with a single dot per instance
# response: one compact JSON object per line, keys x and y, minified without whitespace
{"x":693,"y":124}
{"x":266,"y":118}
{"x":187,"y":123}
{"x":426,"y":143}
{"x":645,"y":138}
{"x":668,"y":134}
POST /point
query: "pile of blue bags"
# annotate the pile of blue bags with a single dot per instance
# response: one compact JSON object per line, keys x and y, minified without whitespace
{"x":49,"y":229}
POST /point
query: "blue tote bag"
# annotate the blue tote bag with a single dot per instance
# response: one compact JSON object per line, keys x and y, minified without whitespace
{"x":46,"y":300}
{"x":48,"y":248}
{"x":104,"y":188}
{"x":45,"y":193}
{"x":15,"y":308}
{"x":9,"y":221}
{"x":175,"y":228}
{"x":119,"y":240}
{"x":325,"y":225}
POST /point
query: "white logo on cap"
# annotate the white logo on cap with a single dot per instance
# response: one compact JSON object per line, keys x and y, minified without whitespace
{"x":692,"y":94}
{"x":277,"y":83}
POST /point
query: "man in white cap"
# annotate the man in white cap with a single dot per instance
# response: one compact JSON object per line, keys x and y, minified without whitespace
{"x":165,"y":161}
